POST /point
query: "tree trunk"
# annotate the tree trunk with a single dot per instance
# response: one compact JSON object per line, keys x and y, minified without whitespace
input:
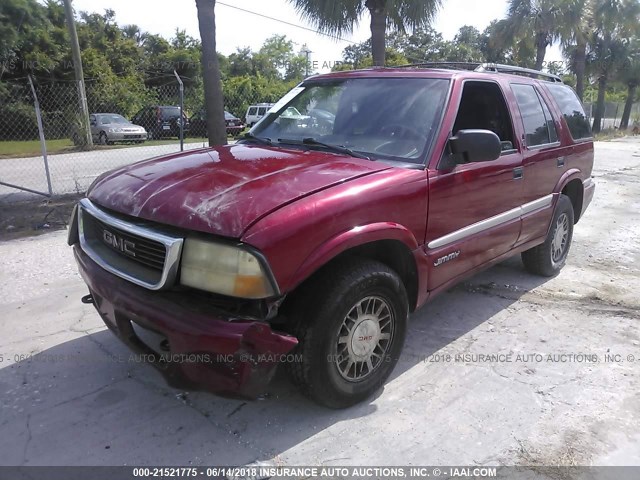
{"x":541,"y":50}
{"x":626,"y":115}
{"x":580,"y":66}
{"x":377,"y":9}
{"x":213,"y":100}
{"x":599,"y":113}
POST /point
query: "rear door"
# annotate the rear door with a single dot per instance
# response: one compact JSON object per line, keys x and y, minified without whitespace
{"x":474,"y":209}
{"x":544,"y":159}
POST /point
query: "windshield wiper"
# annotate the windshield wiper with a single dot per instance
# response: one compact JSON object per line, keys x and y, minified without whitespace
{"x":328,"y":146}
{"x":263,"y":140}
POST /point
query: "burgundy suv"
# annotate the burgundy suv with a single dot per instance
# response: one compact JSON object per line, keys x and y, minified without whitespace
{"x":310,"y":241}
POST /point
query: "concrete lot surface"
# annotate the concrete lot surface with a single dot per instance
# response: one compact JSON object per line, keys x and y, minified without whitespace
{"x":69,"y":395}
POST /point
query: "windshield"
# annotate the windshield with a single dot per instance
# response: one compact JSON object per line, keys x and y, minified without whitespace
{"x":391,"y":118}
{"x":109,"y":119}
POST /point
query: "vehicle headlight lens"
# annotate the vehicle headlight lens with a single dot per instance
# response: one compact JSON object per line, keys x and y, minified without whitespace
{"x":223,"y":269}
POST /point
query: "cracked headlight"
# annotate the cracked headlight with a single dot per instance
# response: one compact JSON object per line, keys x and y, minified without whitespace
{"x":224,"y":269}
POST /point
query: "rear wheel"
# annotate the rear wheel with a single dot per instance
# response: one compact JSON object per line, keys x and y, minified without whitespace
{"x":548,"y":258}
{"x":351,"y":328}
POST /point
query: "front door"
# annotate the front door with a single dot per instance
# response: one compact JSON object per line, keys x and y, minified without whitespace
{"x":474,"y":209}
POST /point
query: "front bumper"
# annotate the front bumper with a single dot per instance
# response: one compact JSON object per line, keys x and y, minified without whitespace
{"x":198,"y":348}
{"x":127,"y":136}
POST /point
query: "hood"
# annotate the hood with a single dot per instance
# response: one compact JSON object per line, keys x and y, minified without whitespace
{"x":223,"y":190}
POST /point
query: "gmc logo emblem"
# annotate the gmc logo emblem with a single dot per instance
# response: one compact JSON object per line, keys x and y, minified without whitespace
{"x":125,"y":246}
{"x":365,"y":339}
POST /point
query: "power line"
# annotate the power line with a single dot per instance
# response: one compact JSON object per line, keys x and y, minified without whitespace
{"x":288,"y":23}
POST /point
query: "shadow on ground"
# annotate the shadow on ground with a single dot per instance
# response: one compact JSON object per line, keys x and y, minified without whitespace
{"x":84,"y":403}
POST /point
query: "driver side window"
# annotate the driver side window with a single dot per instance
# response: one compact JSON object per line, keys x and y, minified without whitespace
{"x":483,"y":107}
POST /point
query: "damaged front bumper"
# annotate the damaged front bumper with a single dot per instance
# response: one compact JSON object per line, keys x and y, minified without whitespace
{"x":192,"y":345}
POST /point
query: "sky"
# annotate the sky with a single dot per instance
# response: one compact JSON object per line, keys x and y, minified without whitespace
{"x":240,"y":29}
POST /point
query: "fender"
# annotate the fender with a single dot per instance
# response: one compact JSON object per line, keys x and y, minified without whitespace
{"x":571,"y":174}
{"x":357,"y":236}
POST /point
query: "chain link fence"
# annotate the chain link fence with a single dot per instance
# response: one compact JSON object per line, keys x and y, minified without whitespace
{"x":613,"y":114}
{"x":68,"y":163}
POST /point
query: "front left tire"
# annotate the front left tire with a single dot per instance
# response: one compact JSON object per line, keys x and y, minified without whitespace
{"x":351,"y":326}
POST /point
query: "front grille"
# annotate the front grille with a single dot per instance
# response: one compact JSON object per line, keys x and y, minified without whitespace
{"x":144,"y":251}
{"x":126,"y":135}
{"x":133,"y":250}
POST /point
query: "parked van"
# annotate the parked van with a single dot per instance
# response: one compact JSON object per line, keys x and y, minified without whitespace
{"x":256,"y":112}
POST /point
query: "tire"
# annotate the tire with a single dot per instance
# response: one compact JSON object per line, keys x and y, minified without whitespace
{"x":327,"y":326}
{"x":103,"y":139}
{"x":151,"y":135}
{"x":548,"y":258}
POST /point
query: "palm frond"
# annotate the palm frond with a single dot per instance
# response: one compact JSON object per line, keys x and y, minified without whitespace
{"x":331,"y":16}
{"x":411,"y":14}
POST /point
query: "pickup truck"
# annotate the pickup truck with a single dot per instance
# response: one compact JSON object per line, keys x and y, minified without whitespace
{"x":307,"y":244}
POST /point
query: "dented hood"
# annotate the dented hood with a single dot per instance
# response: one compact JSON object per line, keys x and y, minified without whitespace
{"x":223,"y":190}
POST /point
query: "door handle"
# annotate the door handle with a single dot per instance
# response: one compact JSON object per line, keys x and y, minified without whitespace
{"x":560,"y":162}
{"x":518,"y":173}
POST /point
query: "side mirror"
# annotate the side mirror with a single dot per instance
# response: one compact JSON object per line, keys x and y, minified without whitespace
{"x":471,"y":146}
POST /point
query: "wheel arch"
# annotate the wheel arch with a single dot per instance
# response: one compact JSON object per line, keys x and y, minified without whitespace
{"x":390,"y":244}
{"x":571,"y":185}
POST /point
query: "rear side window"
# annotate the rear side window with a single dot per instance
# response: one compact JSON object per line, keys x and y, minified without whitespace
{"x":551,"y":125}
{"x":252,"y":111}
{"x":536,"y":127}
{"x":262,"y":111}
{"x":572,"y":110}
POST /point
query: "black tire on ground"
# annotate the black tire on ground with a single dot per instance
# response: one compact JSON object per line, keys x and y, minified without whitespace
{"x":151,"y":135}
{"x":355,"y":311}
{"x":548,"y":258}
{"x":104,"y":140}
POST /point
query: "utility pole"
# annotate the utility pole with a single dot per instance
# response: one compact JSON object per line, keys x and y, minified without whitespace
{"x":307,"y":52}
{"x":77,"y":63}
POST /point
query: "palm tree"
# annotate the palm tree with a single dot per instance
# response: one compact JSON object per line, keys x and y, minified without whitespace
{"x":576,"y":29}
{"x":614,"y":22}
{"x":540,"y":19}
{"x":629,"y":74}
{"x":338,"y":17}
{"x":134,"y":33}
{"x":213,"y":101}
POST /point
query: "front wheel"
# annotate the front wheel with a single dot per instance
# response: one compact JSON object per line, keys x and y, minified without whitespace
{"x":548,"y":258}
{"x":351,"y":325}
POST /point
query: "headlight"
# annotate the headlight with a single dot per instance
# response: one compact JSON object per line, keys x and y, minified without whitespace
{"x":223,"y":269}
{"x":115,"y":130}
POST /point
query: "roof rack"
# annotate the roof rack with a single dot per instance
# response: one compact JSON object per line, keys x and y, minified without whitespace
{"x":498,"y":68}
{"x":455,"y":65}
{"x":487,"y":67}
